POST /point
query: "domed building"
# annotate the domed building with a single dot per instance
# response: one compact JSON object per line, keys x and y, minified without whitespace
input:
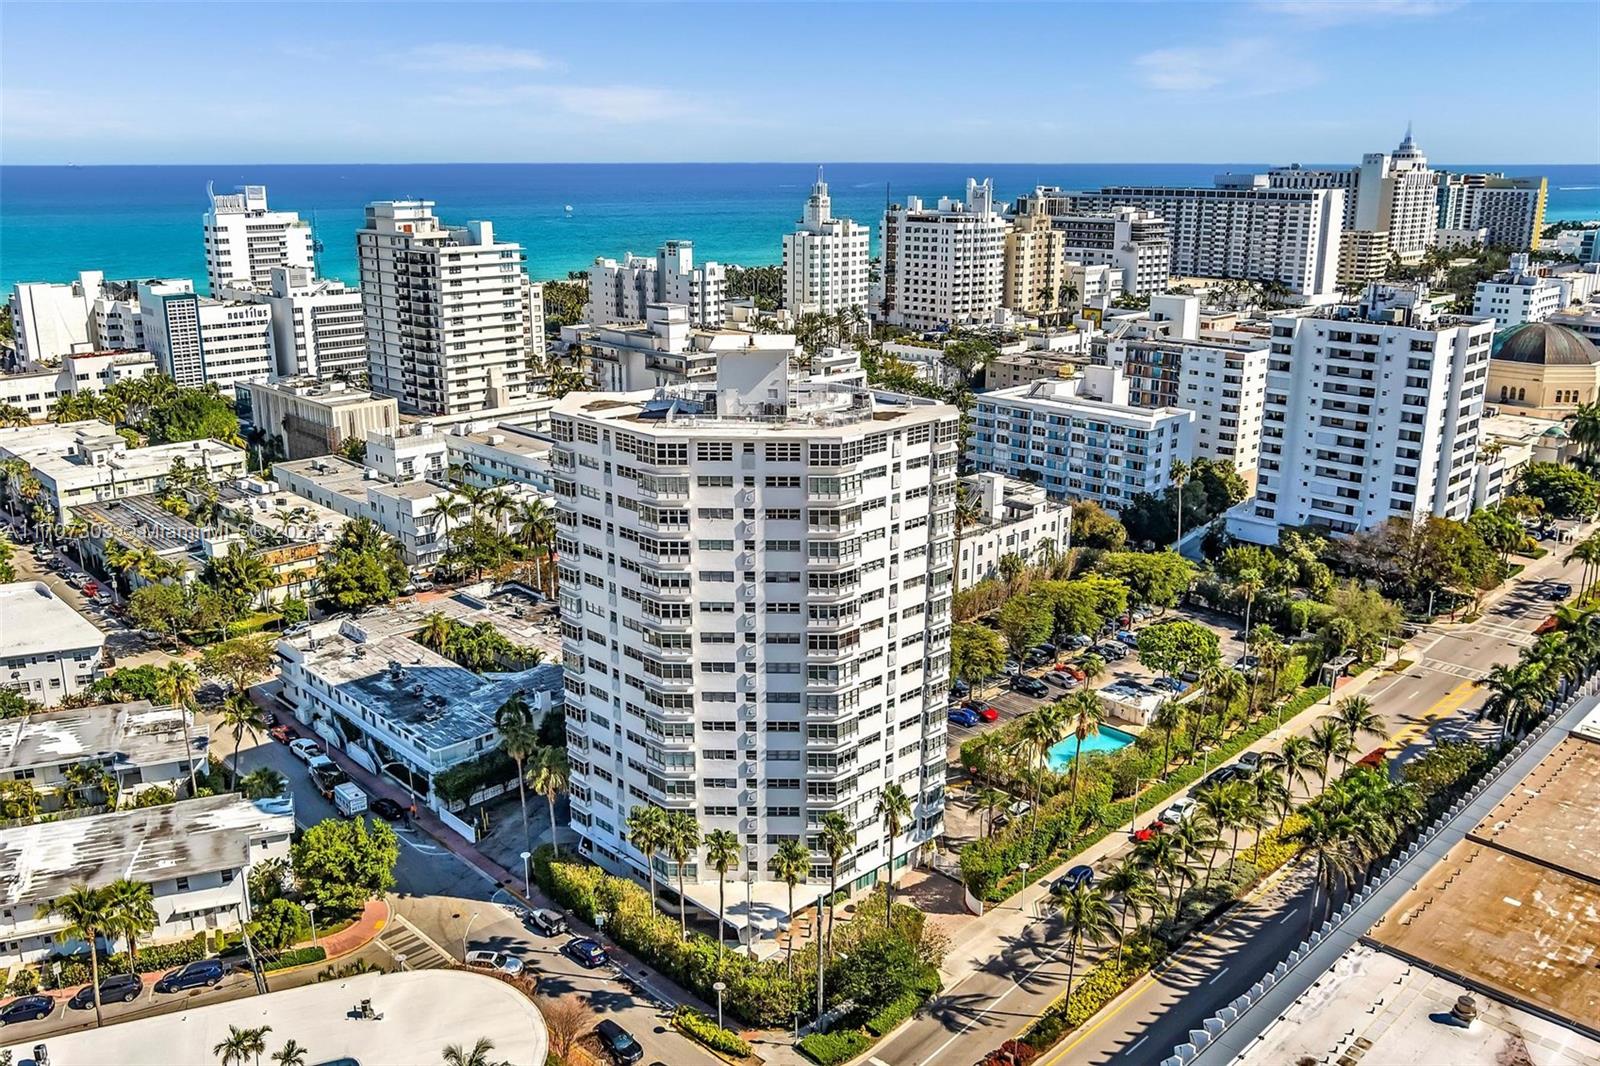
{"x":1542,"y":369}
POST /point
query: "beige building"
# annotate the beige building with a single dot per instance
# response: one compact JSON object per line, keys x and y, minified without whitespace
{"x":1543,"y":369}
{"x":310,"y":417}
{"x":1363,"y":256}
{"x":1036,"y":266}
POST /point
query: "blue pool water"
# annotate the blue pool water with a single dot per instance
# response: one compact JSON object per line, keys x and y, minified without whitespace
{"x":1109,"y":739}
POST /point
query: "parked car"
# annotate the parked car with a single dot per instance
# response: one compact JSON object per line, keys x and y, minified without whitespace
{"x":960,"y":690}
{"x":1126,"y":636}
{"x":1018,"y":808}
{"x":1080,"y":641}
{"x":988,"y":714}
{"x":1171,"y":684}
{"x":235,"y":959}
{"x":1112,"y":652}
{"x":1037,"y":657}
{"x":305,"y":749}
{"x":118,"y":988}
{"x":1060,"y":679}
{"x":1557,"y":590}
{"x":206,"y":972}
{"x":963,"y":716}
{"x":548,"y":922}
{"x":495,"y":960}
{"x":282,"y":734}
{"x":1012,"y":667}
{"x":1145,"y":833}
{"x":1074,"y":671}
{"x":1246,"y":663}
{"x":1221,"y":776}
{"x":27,"y":1009}
{"x":1250,"y":761}
{"x":585,"y":952}
{"x":1191,"y":676}
{"x":1178,"y":811}
{"x":1139,"y":614}
{"x":1030,"y":686}
{"x":388,"y":809}
{"x":1078,"y":875}
{"x":619,"y":1043}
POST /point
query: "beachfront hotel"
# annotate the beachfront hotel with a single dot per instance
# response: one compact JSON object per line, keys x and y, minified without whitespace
{"x":246,"y":241}
{"x":825,"y":260}
{"x":943,"y":265}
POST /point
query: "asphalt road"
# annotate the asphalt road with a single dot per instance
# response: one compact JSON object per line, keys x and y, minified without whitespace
{"x":1435,"y":698}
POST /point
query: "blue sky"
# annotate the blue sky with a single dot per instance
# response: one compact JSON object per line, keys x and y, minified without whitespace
{"x":1259,"y":80}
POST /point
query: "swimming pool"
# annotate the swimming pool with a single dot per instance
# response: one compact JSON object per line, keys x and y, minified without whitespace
{"x":1108,"y":739}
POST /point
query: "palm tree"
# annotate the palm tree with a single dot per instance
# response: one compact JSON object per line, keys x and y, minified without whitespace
{"x":456,"y":1055}
{"x":1270,"y":803}
{"x":683,"y":839}
{"x":1355,"y":713}
{"x":1329,"y":739}
{"x":1041,"y":729}
{"x":131,"y":910}
{"x":551,"y":777}
{"x":520,"y":740}
{"x":241,"y":1045}
{"x":89,"y":917}
{"x":536,"y":531}
{"x":1083,"y":713}
{"x":1180,"y":474}
{"x":436,"y":633}
{"x":1169,"y":718}
{"x":969,"y":511}
{"x":791,"y":863}
{"x":1295,"y":757}
{"x":722,"y":851}
{"x":1324,"y":835}
{"x":1088,"y":919}
{"x":1517,"y":694}
{"x":894,"y":808}
{"x":1133,"y":884}
{"x":1163,"y":856}
{"x":1194,"y":837}
{"x":987,"y":800}
{"x":291,"y":1054}
{"x":444,"y":512}
{"x":1272,"y":655}
{"x":239,"y":716}
{"x":647,"y":830}
{"x":178,"y":683}
{"x":1093,"y":667}
{"x":837,"y":839}
{"x":263,"y":783}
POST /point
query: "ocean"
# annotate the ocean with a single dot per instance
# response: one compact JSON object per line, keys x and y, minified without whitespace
{"x":144,"y":221}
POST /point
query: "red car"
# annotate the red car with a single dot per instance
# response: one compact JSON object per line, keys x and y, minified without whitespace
{"x":1151,"y":830}
{"x":988,"y":714}
{"x":281,"y":733}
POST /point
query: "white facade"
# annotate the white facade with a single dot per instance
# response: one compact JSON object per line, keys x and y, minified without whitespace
{"x":199,"y":341}
{"x":1522,"y":293}
{"x":756,"y":623}
{"x":446,"y":331}
{"x":623,"y":292}
{"x":317,"y":326}
{"x":245,"y":240}
{"x":196,"y":856}
{"x":50,"y":651}
{"x":1080,"y":438}
{"x":1130,"y":240}
{"x":1372,"y":413}
{"x":942,"y":266}
{"x":825,"y":260}
{"x":1014,"y":518}
{"x":1396,"y":196}
{"x":85,"y":462}
{"x":1509,"y":210}
{"x":404,"y":509}
{"x":88,"y":372}
{"x":50,"y":320}
{"x":1225,"y":385}
{"x":666,"y":348}
{"x":138,"y":744}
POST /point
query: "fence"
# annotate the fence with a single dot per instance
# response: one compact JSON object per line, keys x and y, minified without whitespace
{"x":1213,"y":1027}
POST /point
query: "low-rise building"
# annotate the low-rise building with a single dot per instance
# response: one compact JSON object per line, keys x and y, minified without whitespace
{"x":1543,"y":369}
{"x":36,"y":388}
{"x":310,"y":417}
{"x":194,"y":854}
{"x":1080,"y":438}
{"x":1526,"y":293}
{"x":405,"y":510}
{"x":667,"y":348}
{"x":1014,"y":518}
{"x":137,"y":744}
{"x":50,"y":651}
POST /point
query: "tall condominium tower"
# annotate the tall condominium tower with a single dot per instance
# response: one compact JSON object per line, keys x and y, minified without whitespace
{"x":943,"y":265}
{"x":755,"y":598}
{"x":825,"y":261}
{"x":1511,"y":209}
{"x":445,"y":309}
{"x":200,"y":341}
{"x":1372,"y":413}
{"x":245,"y":240}
{"x":620,"y":292}
{"x":317,"y":323}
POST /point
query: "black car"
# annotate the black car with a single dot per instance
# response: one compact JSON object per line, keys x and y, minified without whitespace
{"x":1221,"y":776}
{"x":1030,"y":686}
{"x":118,"y":988}
{"x":206,"y":972}
{"x":619,"y":1043}
{"x":235,"y":959}
{"x":387,"y":809}
{"x":27,"y":1009}
{"x":586,"y":953}
{"x":1038,"y":657}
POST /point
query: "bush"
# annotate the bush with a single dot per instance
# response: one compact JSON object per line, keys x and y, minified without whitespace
{"x":151,"y":959}
{"x":709,"y":1033}
{"x":828,"y":1049}
{"x":280,"y":924}
{"x":297,"y":957}
{"x":25,"y":982}
{"x":897,"y":1011}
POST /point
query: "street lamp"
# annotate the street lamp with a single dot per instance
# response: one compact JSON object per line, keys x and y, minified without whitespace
{"x":527,"y":874}
{"x":720,"y":986}
{"x":401,"y":959}
{"x":311,"y":909}
{"x":749,"y":906}
{"x":467,"y":932}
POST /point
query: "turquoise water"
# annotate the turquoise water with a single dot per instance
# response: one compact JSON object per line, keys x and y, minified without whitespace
{"x":145,"y":221}
{"x":1109,"y":739}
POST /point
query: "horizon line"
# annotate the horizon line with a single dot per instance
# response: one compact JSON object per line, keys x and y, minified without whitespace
{"x":759,"y":163}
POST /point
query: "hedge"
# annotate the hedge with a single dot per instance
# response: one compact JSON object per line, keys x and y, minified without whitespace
{"x":829,"y":1049}
{"x":297,"y":957}
{"x":709,"y":1033}
{"x":896,"y":1011}
{"x":151,"y":959}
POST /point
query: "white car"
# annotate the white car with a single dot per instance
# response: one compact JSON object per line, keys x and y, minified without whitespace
{"x":305,"y":749}
{"x":1178,"y":812}
{"x":495,"y":960}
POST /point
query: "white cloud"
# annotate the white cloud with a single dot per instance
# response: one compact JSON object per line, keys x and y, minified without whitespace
{"x":476,"y":58}
{"x":1340,"y":12}
{"x":1237,"y":68}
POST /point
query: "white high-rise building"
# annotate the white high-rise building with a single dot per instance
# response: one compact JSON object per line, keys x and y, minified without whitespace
{"x":1129,"y":239}
{"x":944,"y":265}
{"x":620,"y":292}
{"x":50,"y":321}
{"x":317,"y":324}
{"x":444,"y":311}
{"x":1396,"y":195}
{"x":1225,"y":384}
{"x":1372,"y":413}
{"x":825,"y":261}
{"x":199,"y":341}
{"x":245,"y":240}
{"x":755,"y":616}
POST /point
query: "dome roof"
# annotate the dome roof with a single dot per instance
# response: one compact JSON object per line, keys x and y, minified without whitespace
{"x":1546,"y":344}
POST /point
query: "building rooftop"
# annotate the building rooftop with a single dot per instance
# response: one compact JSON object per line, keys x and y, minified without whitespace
{"x":334,"y":474}
{"x":141,"y":521}
{"x":1545,"y":344}
{"x":1379,"y":1010}
{"x":121,"y":735}
{"x":514,"y":439}
{"x":809,"y":406}
{"x":37,"y":623}
{"x":62,"y":452}
{"x":1552,"y":817}
{"x":423,"y":1012}
{"x":43,"y":860}
{"x":325,"y":393}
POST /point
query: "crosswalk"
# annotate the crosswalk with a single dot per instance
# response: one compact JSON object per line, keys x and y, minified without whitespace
{"x":1470,"y":673}
{"x":402,"y":938}
{"x":1510,"y":634}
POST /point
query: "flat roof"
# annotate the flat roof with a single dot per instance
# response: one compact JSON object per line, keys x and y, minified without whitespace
{"x":1589,"y":727}
{"x":123,"y":735}
{"x":1552,"y":817}
{"x":141,"y":521}
{"x":38,"y":623}
{"x":1377,"y":1009}
{"x":42,"y":860}
{"x":424,"y":1011}
{"x":1525,"y":932}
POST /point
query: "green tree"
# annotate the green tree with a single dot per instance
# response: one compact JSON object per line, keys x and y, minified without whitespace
{"x":163,"y":609}
{"x":552,"y":775}
{"x":722,"y":851}
{"x":179,"y":684}
{"x":1087,"y":919}
{"x":519,"y":738}
{"x":894,"y":810}
{"x":192,"y":414}
{"x":1023,"y":623}
{"x":791,"y":864}
{"x":683,"y":840}
{"x":364,"y":568}
{"x":1565,"y":491}
{"x":1176,"y":646}
{"x":647,"y":831}
{"x":1083,"y":714}
{"x":1092,"y":527}
{"x":1156,"y":578}
{"x":976,"y":653}
{"x":279,"y":924}
{"x":837,"y":839}
{"x":89,"y":915}
{"x":263,"y":783}
{"x":239,"y":576}
{"x":291,"y":1054}
{"x":242,"y":1045}
{"x":342,"y":864}
{"x":477,"y":1055}
{"x":240,"y":716}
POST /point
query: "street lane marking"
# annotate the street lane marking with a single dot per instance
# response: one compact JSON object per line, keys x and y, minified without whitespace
{"x":1219,"y":975}
{"x":1135,"y":1045}
{"x":1016,"y":983}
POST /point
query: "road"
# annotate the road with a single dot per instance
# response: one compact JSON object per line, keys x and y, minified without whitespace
{"x":1434,"y":698}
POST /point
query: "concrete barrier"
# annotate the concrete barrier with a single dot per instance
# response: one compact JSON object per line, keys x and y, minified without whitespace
{"x":1227,"y":1016}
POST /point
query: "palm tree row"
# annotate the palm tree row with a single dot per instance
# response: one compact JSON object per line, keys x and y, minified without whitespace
{"x":123,"y":909}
